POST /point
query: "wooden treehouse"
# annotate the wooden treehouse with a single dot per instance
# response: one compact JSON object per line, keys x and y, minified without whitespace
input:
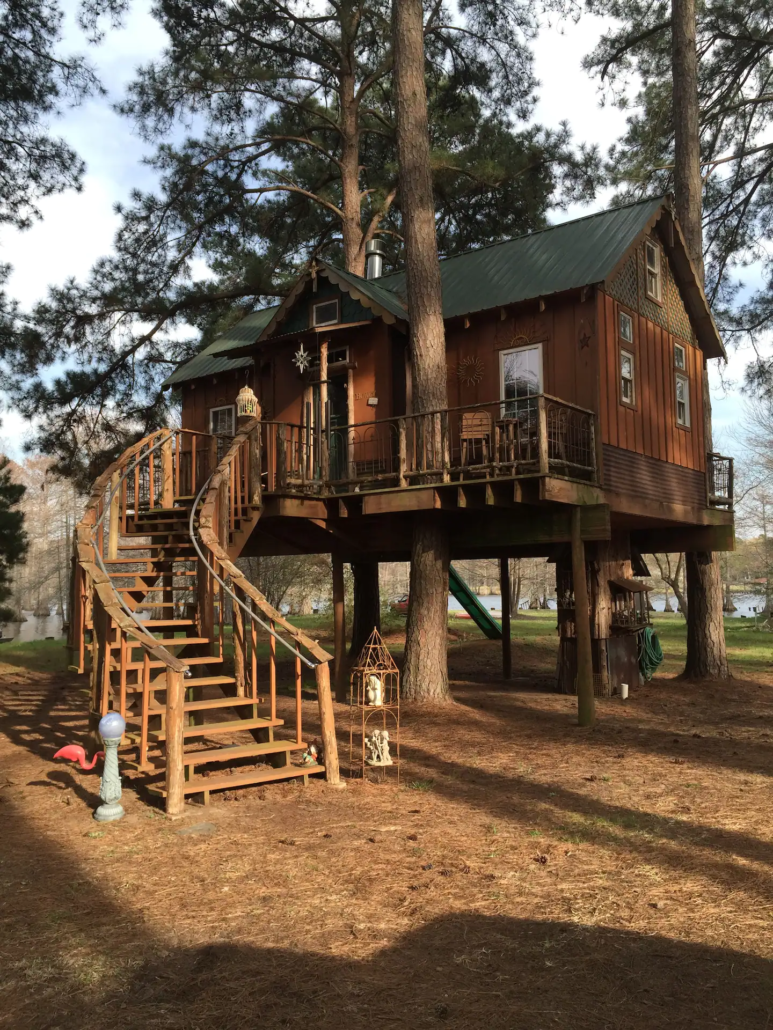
{"x":575,"y":385}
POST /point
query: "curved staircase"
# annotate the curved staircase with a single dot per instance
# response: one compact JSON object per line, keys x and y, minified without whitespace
{"x":153,"y":570}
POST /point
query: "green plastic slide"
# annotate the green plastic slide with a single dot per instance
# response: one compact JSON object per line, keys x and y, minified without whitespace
{"x":479,"y":614}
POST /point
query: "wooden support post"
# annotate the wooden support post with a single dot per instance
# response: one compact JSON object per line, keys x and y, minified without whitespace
{"x":240,"y":645}
{"x":167,"y":474}
{"x":542,"y":436}
{"x":115,"y":516}
{"x":504,"y":589}
{"x":327,"y":723}
{"x":339,"y":629}
{"x":255,"y":466}
{"x":586,"y":704}
{"x":175,"y":744}
{"x":402,"y":480}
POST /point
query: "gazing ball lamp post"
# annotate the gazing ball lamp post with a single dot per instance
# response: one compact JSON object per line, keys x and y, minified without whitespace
{"x":111,"y":729}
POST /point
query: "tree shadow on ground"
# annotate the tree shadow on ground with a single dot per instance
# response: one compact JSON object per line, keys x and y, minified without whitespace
{"x":98,"y":964}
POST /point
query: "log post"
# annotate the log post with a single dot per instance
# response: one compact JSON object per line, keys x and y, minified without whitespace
{"x":402,"y":479}
{"x":115,"y":517}
{"x":240,"y":644}
{"x":281,"y":456}
{"x":175,"y":721}
{"x":586,"y":704}
{"x":504,"y":589}
{"x":167,"y":474}
{"x":327,"y":724}
{"x":339,"y":629}
{"x":255,"y":466}
{"x":542,"y":436}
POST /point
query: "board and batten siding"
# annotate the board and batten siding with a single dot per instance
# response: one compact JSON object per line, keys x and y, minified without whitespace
{"x":650,"y":427}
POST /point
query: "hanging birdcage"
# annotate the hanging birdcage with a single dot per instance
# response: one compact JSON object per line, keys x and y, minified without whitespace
{"x":246,"y":403}
{"x":375,"y":706}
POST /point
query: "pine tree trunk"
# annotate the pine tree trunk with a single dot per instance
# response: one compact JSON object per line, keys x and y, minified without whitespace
{"x":425,"y":669}
{"x":706,"y":651}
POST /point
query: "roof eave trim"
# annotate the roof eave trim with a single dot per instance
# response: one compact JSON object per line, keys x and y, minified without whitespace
{"x":367,"y":302}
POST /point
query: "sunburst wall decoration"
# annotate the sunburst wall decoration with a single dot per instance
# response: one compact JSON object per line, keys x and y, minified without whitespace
{"x":470,"y":370}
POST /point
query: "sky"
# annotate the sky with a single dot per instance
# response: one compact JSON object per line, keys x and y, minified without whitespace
{"x":78,"y":228}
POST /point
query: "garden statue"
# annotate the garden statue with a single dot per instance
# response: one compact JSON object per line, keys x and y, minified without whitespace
{"x":374,"y":691}
{"x":311,"y":756}
{"x":378,"y":747}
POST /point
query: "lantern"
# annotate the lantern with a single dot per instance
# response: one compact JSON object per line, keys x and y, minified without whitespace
{"x":246,"y":403}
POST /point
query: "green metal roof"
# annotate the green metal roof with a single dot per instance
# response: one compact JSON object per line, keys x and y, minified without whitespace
{"x":563,"y":257}
{"x":209,"y":362}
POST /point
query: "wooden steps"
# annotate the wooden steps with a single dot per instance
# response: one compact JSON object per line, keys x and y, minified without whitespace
{"x":232,"y":726}
{"x":172,"y":641}
{"x":196,"y":660}
{"x":212,"y":703}
{"x":202,"y":681}
{"x":204,"y":784}
{"x":234,"y":751}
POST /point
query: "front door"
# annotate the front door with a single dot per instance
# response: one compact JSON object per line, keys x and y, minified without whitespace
{"x":520,"y":382}
{"x":338,"y":408}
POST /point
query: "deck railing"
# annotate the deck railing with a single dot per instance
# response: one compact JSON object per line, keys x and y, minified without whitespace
{"x":534,"y":436}
{"x":719,"y":481}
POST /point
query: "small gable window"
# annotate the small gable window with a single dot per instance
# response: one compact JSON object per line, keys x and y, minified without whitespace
{"x":627,"y":378}
{"x":654,"y":286}
{"x":682,"y":401}
{"x":680,"y":356}
{"x":625,"y":327}
{"x":324,"y":313}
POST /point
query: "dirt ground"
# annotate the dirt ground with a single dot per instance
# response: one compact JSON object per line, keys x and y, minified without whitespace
{"x":526,"y":874}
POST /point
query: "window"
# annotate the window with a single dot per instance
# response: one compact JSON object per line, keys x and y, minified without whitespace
{"x":521,"y":381}
{"x":325,"y":313}
{"x":682,"y":400}
{"x":335,"y":356}
{"x":222,"y":421}
{"x":680,"y":356}
{"x":627,"y":378}
{"x":625,"y":327}
{"x":653,"y":284}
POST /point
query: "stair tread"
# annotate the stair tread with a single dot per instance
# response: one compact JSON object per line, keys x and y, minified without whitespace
{"x":139,"y":573}
{"x":167,"y":622}
{"x":201,"y":681}
{"x":200,"y":783}
{"x":231,"y":751}
{"x":200,"y":660}
{"x":231,"y":726}
{"x":216,"y":702}
{"x":173,"y":641}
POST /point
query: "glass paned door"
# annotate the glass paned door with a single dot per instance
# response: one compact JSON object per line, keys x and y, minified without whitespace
{"x":521,"y":381}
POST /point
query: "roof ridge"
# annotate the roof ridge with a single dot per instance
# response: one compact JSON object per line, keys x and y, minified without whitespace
{"x":536,"y":232}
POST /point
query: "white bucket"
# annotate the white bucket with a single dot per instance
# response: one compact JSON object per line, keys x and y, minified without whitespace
{"x":623,"y":691}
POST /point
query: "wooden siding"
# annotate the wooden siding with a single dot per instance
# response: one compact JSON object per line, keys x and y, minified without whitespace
{"x":649,"y":427}
{"x":650,"y":479}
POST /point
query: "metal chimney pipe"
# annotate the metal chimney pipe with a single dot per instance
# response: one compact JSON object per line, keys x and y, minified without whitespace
{"x":374,"y":259}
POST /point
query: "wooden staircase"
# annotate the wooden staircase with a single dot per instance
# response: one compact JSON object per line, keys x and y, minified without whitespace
{"x":148,"y":605}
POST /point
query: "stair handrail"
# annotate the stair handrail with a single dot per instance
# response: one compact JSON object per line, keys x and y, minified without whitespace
{"x":210,"y":540}
{"x":90,"y":560}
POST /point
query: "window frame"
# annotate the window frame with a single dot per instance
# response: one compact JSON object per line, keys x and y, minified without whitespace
{"x":683,"y":349}
{"x":658,"y":250}
{"x":320,"y":303}
{"x":621,"y":378}
{"x":514,"y":350}
{"x":622,"y":313}
{"x":687,"y":423}
{"x":223,"y":407}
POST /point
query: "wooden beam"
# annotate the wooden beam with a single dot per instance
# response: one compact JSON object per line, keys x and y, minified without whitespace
{"x":175,"y":745}
{"x":504,"y":589}
{"x":684,"y":538}
{"x":327,"y":724}
{"x":400,"y":500}
{"x":630,"y":504}
{"x":586,"y":703}
{"x":567,"y":491}
{"x":339,"y":629}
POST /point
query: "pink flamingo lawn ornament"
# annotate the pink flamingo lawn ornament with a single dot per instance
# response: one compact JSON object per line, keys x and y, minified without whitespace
{"x":75,"y":753}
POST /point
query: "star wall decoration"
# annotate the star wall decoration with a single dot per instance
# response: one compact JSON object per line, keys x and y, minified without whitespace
{"x":302,"y":359}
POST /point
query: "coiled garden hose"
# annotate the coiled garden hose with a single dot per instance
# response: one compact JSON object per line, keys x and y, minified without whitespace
{"x":650,"y":652}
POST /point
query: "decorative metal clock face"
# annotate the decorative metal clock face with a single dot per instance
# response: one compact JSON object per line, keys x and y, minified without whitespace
{"x":470,"y":370}
{"x":302,"y":359}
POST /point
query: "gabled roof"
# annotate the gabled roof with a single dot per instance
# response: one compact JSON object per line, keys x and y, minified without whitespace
{"x":209,"y":361}
{"x":563,"y":257}
{"x":586,"y":251}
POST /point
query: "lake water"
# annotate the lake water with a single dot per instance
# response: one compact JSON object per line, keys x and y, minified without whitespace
{"x":744,"y":603}
{"x":35,"y":628}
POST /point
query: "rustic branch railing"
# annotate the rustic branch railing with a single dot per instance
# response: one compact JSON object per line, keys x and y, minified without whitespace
{"x":719,"y":481}
{"x":231,"y":503}
{"x":534,"y":436}
{"x":146,"y":476}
